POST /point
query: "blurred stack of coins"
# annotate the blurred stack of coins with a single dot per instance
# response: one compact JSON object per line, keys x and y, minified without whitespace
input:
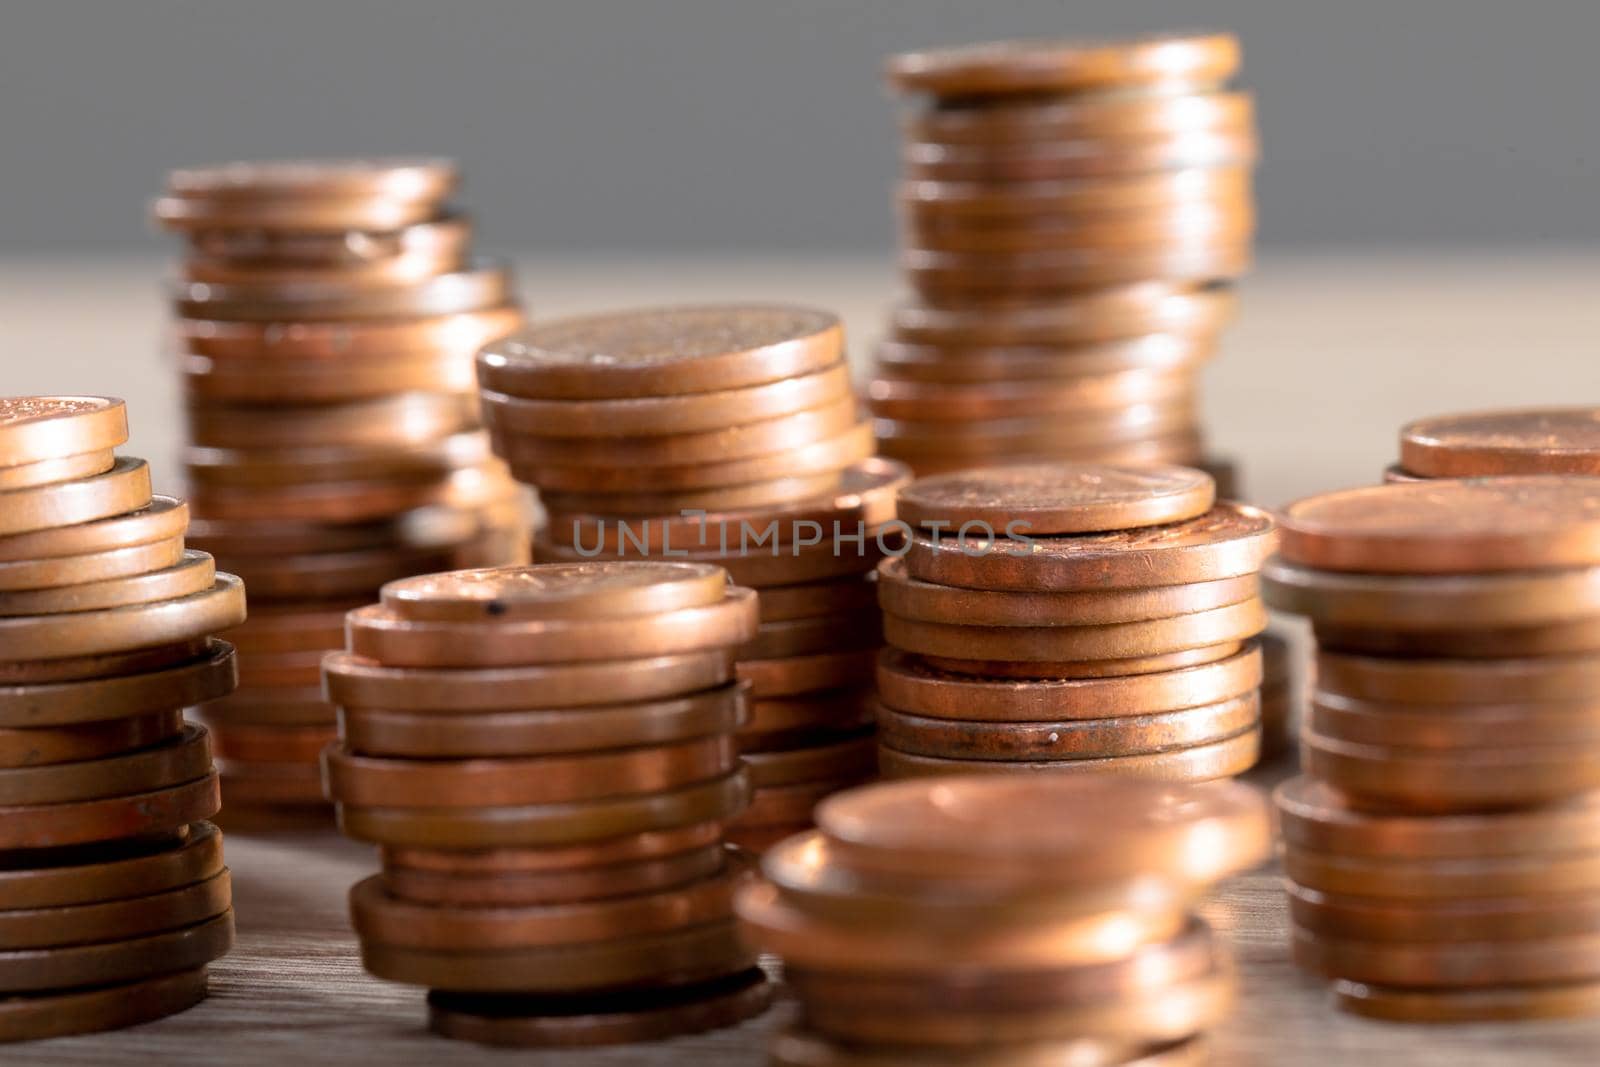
{"x":1488,"y":443}
{"x":546,"y":756}
{"x":113,"y":896}
{"x":1072,"y":618}
{"x":1443,"y":850}
{"x":726,"y":435}
{"x":1071,"y":217}
{"x":985,"y":920}
{"x":328,"y":315}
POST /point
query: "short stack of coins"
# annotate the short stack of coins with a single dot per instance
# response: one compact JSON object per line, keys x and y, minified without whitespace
{"x":1071,"y":216}
{"x":113,"y":895}
{"x":983,"y":920}
{"x":328,"y":315}
{"x":1442,"y":852}
{"x":726,"y":435}
{"x":546,"y":755}
{"x":1488,"y":443}
{"x":1072,"y":618}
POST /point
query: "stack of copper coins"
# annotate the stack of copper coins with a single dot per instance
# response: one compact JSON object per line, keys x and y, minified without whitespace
{"x":725,"y":435}
{"x":113,"y":896}
{"x":1280,"y":696}
{"x":1071,"y":215}
{"x":1005,"y":920}
{"x":328,"y":315}
{"x":1487,"y":443}
{"x":1442,"y":852}
{"x":1072,"y":618}
{"x":546,"y":756}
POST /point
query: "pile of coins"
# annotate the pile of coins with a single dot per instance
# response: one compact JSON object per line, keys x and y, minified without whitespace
{"x":113,"y":896}
{"x":1072,"y":618}
{"x":328,"y":315}
{"x":1442,"y":852}
{"x":1071,"y":216}
{"x":1483,"y":444}
{"x":726,"y":435}
{"x":985,"y":920}
{"x":546,"y":756}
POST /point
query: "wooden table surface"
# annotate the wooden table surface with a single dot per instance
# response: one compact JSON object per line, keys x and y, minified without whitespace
{"x":1332,"y":354}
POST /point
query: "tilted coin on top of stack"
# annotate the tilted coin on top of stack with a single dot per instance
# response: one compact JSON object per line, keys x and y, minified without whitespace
{"x":546,"y":756}
{"x":982,"y":920}
{"x":727,"y":435}
{"x":1442,"y":854}
{"x":1069,"y":618}
{"x":1071,"y":214}
{"x":328,"y":315}
{"x":1486,"y":443}
{"x":113,"y":896}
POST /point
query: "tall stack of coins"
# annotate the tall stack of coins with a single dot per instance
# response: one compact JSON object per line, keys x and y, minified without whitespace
{"x":113,"y":896}
{"x":1004,"y":920}
{"x":1442,"y":852}
{"x":726,"y":435}
{"x":546,"y":756}
{"x":1071,"y":215}
{"x":1481,"y":444}
{"x":328,"y":314}
{"x":1072,"y":618}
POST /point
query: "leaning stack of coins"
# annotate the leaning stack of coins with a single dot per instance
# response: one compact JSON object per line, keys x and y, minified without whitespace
{"x":113,"y":896}
{"x":1003,"y":920}
{"x":1483,"y":444}
{"x":1442,"y":852}
{"x":1072,"y":618}
{"x":726,"y":435}
{"x":1071,"y":215}
{"x":546,"y":756}
{"x":328,"y":315}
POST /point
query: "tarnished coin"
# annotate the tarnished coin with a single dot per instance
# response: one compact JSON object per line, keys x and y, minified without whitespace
{"x":557,"y":591}
{"x":1195,"y":764}
{"x":1533,"y":441}
{"x":1044,"y":66}
{"x":123,"y":488}
{"x":39,"y":745}
{"x":110,"y":962}
{"x":115,"y":920}
{"x":114,"y":818}
{"x":123,"y":629}
{"x":661,"y":352}
{"x":1057,"y":498}
{"x":1451,"y":526}
{"x":37,"y":429}
{"x":184,"y":759}
{"x":119,"y":870}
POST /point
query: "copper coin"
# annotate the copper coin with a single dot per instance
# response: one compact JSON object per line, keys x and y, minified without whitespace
{"x":991,"y":440}
{"x":263,"y":250}
{"x":557,"y":591}
{"x":209,"y":383}
{"x":108,"y":819}
{"x":1197,"y":763}
{"x":118,"y":870}
{"x":1461,"y":779}
{"x":793,"y":675}
{"x":946,"y":276}
{"x":106,"y":665}
{"x":1535,"y":441}
{"x":248,"y":785}
{"x":244,"y":743}
{"x":383,"y":919}
{"x":801,"y":1048}
{"x":807,"y":600}
{"x":108,"y":962}
{"x":1451,"y":726}
{"x":784,"y":722}
{"x":397,"y":177}
{"x":756,"y":840}
{"x":325,"y":576}
{"x":270,"y":707}
{"x":756,"y":552}
{"x":853,"y":757}
{"x":1487,"y":524}
{"x":831,"y":454}
{"x":271,"y":343}
{"x":162,"y":519}
{"x":161,"y":767}
{"x":1009,"y":831}
{"x":51,"y":471}
{"x":972,"y":364}
{"x":1043,"y":66}
{"x":120,"y":629}
{"x":1066,"y":160}
{"x":117,"y":920}
{"x":1121,"y":312}
{"x":280,"y":670}
{"x":23,"y":577}
{"x":354,"y":682}
{"x":398,"y":421}
{"x":1434,"y":601}
{"x":426,"y":735}
{"x":1100,"y":115}
{"x":1097,"y":195}
{"x":39,"y":1016}
{"x":822,"y":633}
{"x":1449,"y":965}
{"x":480,"y":285}
{"x":479,"y":863}
{"x":193,"y":573}
{"x":1229,"y":541}
{"x":906,"y":684}
{"x":1427,"y":880}
{"x":742,"y":442}
{"x":1084,"y":669}
{"x":1058,"y":498}
{"x":1490,"y":919}
{"x":619,"y":1018}
{"x":68,"y":703}
{"x":37,"y":429}
{"x":670,"y":414}
{"x":36,"y":746}
{"x":227,"y":467}
{"x":1396,"y":473}
{"x":788,"y":805}
{"x":335,"y":502}
{"x":1559,"y":1000}
{"x":662,"y":352}
{"x":298,"y":213}
{"x":778,"y":492}
{"x":380,"y":634}
{"x":1573,"y":678}
{"x":968,"y":402}
{"x":561,"y":886}
{"x":125,"y":487}
{"x":1556,"y":638}
{"x":1315,"y":817}
{"x":1183,"y":447}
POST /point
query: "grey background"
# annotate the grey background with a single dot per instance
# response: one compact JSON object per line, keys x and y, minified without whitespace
{"x":762,"y":125}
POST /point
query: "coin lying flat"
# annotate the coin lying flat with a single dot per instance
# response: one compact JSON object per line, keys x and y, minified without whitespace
{"x":192,"y":680}
{"x":1045,"y":66}
{"x":35,"y":1017}
{"x":1200,"y":763}
{"x":125,"y":628}
{"x":1559,"y":1000}
{"x":557,"y":590}
{"x":560,"y":886}
{"x":1535,"y":441}
{"x":1058,"y":498}
{"x":39,"y":429}
{"x":130,"y":868}
{"x":123,"y":488}
{"x":194,"y":573}
{"x":161,"y":811}
{"x":162,"y":519}
{"x":1102,"y":115}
